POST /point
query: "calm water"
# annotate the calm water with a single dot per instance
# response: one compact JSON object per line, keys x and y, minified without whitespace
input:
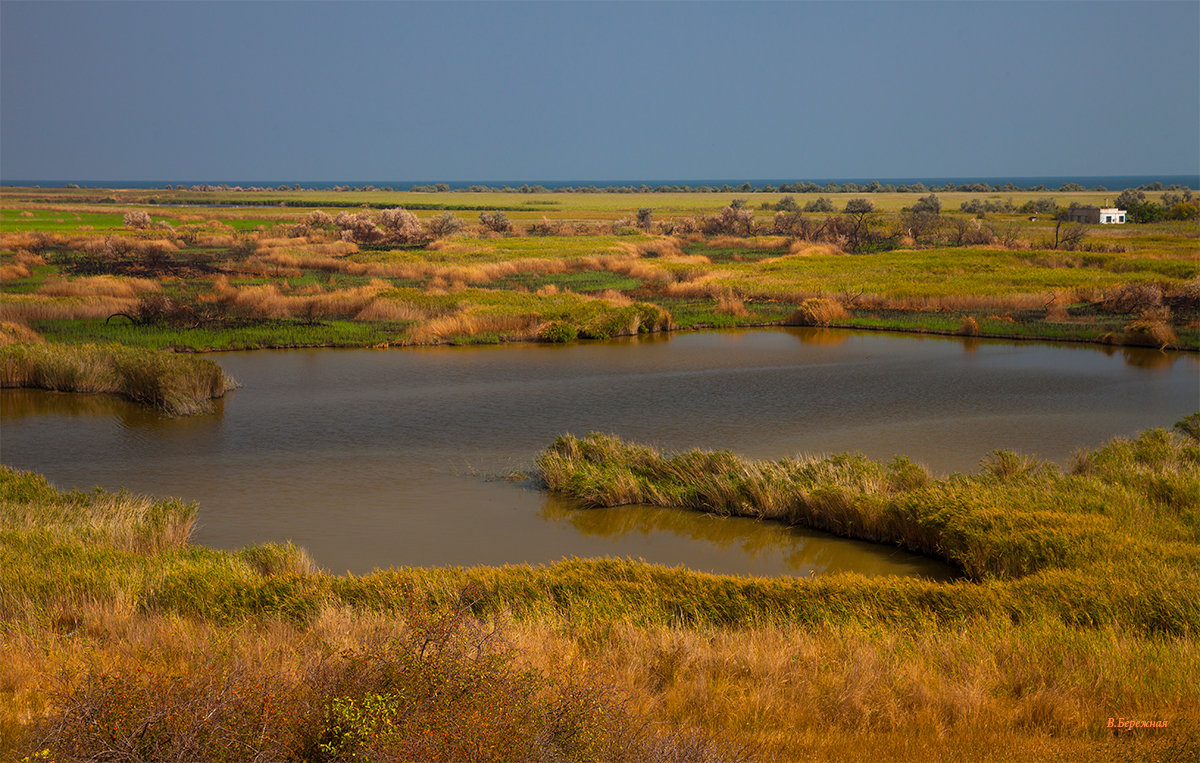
{"x":383,"y":458}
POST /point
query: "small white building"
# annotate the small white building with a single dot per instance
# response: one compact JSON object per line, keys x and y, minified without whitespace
{"x":1101,"y":215}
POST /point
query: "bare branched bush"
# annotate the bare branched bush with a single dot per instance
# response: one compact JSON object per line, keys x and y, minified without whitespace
{"x":137,"y":218}
{"x":730,"y":221}
{"x":1132,"y":298}
{"x":681,"y":226}
{"x":358,"y":227}
{"x":625,"y":226}
{"x":444,"y":225}
{"x":545,"y":228}
{"x":401,"y":225}
{"x":318,"y":219}
{"x":496,"y":222}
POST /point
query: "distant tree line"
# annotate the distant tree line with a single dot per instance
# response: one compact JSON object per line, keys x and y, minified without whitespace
{"x":797,"y":187}
{"x":1178,"y":203}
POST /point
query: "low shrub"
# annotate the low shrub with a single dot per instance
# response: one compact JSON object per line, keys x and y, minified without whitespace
{"x":1153,"y":329}
{"x":557,"y":332}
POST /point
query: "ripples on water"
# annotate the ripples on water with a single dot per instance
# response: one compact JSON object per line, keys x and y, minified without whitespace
{"x":377,"y":458}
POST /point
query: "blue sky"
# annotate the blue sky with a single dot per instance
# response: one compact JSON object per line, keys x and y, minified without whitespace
{"x":596,"y":90}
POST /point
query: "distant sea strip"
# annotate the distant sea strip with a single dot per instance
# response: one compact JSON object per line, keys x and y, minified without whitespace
{"x":786,"y":185}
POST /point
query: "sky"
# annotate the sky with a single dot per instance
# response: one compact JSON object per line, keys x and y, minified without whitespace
{"x":453,"y":91}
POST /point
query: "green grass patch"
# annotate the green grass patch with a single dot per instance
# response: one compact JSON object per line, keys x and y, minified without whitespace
{"x":584,"y":282}
{"x":255,"y":335}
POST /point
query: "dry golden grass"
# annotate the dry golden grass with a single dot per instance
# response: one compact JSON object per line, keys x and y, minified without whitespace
{"x":298,"y":261}
{"x":266,"y":242}
{"x":302,"y":253}
{"x":615,"y":298}
{"x":26,"y":308}
{"x":99,"y":286}
{"x":391,"y":310}
{"x":16,"y":270}
{"x":976,"y":692}
{"x":661,"y":247}
{"x":11,"y":333}
{"x":730,"y":304}
{"x":463,"y":324}
{"x":701,"y":288}
{"x":270,"y":301}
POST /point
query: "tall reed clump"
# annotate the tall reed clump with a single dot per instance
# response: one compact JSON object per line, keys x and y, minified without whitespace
{"x":174,"y":383}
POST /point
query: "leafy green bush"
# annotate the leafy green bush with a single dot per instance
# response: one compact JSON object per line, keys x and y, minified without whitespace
{"x":558,"y":332}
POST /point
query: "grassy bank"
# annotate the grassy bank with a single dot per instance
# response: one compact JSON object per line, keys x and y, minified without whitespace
{"x":1079,"y":603}
{"x":174,"y":384}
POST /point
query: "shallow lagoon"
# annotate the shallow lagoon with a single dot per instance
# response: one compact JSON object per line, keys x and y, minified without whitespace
{"x":384,"y":458}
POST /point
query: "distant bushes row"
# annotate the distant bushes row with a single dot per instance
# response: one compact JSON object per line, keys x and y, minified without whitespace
{"x":873,"y":186}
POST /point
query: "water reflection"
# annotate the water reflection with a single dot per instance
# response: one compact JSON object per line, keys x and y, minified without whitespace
{"x":19,"y":404}
{"x":819,"y":336}
{"x":1148,"y":358}
{"x":796,"y":550}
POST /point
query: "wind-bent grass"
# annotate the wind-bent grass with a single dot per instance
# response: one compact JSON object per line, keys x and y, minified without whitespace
{"x":176,"y":384}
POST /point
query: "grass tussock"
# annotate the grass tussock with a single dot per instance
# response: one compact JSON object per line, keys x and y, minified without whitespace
{"x":968,"y":327}
{"x":729,"y":303}
{"x":818,"y":311}
{"x":174,"y":383}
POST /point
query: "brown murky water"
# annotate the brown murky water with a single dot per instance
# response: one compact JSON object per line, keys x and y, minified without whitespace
{"x":384,"y":458}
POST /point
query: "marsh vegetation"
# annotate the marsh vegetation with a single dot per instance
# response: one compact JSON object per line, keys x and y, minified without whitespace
{"x":403,"y":268}
{"x":1079,"y":603}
